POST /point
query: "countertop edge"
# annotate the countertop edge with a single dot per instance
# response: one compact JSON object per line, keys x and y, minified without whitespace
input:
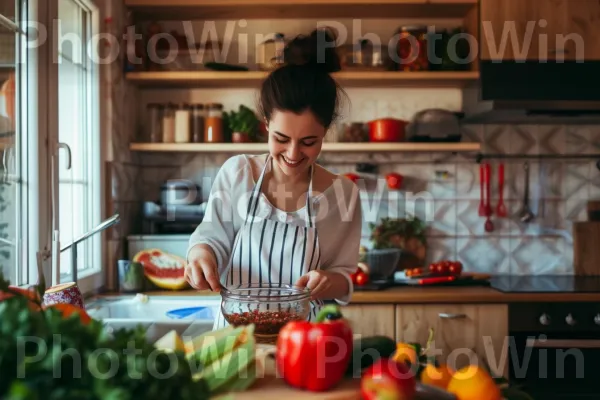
{"x":410,"y":295}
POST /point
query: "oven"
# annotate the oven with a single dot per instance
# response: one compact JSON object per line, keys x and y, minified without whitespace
{"x":554,"y":349}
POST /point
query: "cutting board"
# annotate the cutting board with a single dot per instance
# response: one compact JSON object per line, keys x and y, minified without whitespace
{"x":271,"y":387}
{"x":586,"y":251}
{"x":466,"y":279}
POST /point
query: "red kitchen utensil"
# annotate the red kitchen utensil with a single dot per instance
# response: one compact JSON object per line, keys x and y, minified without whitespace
{"x":489,"y":225}
{"x":439,"y":279}
{"x":481,"y":194}
{"x":501,"y":207}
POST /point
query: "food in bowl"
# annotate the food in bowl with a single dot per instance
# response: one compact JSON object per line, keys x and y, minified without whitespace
{"x":266,"y":322}
{"x":268,"y":307}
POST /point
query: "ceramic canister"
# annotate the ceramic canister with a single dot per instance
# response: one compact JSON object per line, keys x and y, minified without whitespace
{"x":64,"y":293}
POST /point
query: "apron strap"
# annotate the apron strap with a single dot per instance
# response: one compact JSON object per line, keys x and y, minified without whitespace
{"x":256,"y":191}
{"x":308,"y":197}
{"x":254,"y":198}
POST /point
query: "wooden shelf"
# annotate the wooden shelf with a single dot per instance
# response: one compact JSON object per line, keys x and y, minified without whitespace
{"x":269,"y":9}
{"x":224,"y":79}
{"x":327,"y":147}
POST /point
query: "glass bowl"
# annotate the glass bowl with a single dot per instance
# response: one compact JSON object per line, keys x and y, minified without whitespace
{"x":268,"y":306}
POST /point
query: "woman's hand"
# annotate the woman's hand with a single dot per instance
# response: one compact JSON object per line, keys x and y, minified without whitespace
{"x":324,"y":284}
{"x":201,"y":271}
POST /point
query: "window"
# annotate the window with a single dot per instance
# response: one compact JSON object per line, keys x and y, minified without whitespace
{"x":49,"y":98}
{"x":79,"y":193}
{"x":17,"y":142}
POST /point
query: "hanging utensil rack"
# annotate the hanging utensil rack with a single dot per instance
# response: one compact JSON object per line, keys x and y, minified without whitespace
{"x":481,"y":156}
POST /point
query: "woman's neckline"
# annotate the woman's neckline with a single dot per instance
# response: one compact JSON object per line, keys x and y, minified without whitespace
{"x":315,"y":198}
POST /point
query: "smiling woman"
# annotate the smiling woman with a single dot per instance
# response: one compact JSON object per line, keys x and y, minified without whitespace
{"x":280,"y":218}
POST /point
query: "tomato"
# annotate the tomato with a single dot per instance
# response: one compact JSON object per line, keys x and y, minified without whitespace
{"x":394,"y":180}
{"x":455,"y":268}
{"x":353,"y":177}
{"x":361,"y":278}
{"x":446,"y":267}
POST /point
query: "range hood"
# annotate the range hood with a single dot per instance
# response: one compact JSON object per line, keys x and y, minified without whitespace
{"x":533,"y":91}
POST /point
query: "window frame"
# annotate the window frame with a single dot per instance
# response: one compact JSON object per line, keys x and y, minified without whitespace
{"x":40,"y":143}
{"x":92,"y":279}
{"x":29,"y":147}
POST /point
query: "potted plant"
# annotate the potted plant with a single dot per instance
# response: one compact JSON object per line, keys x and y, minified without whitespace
{"x":407,"y":234}
{"x":243,"y":124}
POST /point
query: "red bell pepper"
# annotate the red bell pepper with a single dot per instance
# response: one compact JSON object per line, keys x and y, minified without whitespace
{"x":315,"y":356}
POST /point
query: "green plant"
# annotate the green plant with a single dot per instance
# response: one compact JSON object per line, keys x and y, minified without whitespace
{"x":44,"y":355}
{"x":243,"y":121}
{"x":395,"y":233}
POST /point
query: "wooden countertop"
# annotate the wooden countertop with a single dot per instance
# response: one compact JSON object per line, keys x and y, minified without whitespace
{"x":465,"y":294}
{"x":406,"y":295}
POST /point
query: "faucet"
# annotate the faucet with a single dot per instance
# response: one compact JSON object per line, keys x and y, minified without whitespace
{"x":115,"y":219}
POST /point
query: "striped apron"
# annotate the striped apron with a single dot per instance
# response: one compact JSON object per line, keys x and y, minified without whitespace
{"x":267,"y":251}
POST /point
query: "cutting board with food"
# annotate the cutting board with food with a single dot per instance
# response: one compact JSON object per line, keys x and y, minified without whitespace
{"x":445,"y":272}
{"x":324,"y":360}
{"x":271,"y":385}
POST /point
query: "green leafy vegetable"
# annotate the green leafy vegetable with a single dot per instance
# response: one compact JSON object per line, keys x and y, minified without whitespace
{"x":45,"y":356}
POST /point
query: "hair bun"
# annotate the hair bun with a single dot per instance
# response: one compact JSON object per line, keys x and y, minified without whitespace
{"x":314,"y":50}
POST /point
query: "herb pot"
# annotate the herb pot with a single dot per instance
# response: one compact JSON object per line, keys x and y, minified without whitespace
{"x":387,"y":130}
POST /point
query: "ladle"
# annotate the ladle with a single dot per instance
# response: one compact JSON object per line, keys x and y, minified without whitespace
{"x":526,"y":215}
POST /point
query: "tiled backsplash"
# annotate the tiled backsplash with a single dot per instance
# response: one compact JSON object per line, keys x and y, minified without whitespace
{"x":448,"y":200}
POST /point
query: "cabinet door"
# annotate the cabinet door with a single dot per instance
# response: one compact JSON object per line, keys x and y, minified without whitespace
{"x":370,"y":320}
{"x":463,"y":333}
{"x":521,"y":30}
{"x":580,"y":39}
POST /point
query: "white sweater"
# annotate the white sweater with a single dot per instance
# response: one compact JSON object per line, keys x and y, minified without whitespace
{"x":337,"y":212}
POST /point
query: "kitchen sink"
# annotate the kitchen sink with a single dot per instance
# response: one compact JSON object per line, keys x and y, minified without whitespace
{"x":188,"y":315}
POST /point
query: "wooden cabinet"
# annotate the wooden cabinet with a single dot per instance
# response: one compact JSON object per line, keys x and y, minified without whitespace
{"x":539,"y":30}
{"x":583,"y":23}
{"x":463,"y":333}
{"x":370,"y":320}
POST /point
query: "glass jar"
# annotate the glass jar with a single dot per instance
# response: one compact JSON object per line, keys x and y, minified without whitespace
{"x":155,"y":115}
{"x":182,"y":124}
{"x":198,"y":114}
{"x":213,"y":124}
{"x":412,"y":48}
{"x":169,"y":123}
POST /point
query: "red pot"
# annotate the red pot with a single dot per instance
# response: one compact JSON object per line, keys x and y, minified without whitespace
{"x":387,"y":130}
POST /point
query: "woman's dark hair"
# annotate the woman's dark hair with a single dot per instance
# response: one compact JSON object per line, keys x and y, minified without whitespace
{"x":304,"y":82}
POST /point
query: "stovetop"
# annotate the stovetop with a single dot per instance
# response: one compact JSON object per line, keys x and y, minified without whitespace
{"x":546,"y":283}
